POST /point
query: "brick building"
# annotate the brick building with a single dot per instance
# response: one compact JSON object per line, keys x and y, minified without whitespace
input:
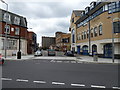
{"x":31,"y":42}
{"x":16,"y":25}
{"x":47,"y":42}
{"x":94,"y":29}
{"x":63,"y":41}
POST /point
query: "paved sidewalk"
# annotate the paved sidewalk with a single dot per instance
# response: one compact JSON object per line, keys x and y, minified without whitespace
{"x":80,"y":58}
{"x":27,"y":57}
{"x":90,"y":59}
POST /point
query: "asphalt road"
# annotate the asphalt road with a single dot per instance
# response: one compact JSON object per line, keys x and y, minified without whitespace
{"x":46,"y":74}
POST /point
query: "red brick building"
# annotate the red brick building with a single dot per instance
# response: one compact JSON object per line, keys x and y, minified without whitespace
{"x":32,"y":44}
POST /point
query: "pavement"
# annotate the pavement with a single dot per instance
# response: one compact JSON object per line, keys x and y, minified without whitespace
{"x":78,"y":58}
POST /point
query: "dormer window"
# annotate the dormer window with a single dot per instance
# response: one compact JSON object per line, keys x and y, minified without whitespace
{"x":92,"y":5}
{"x":98,"y":2}
{"x":82,"y":13}
{"x":7,"y":17}
{"x":87,"y":10}
{"x":16,"y":20}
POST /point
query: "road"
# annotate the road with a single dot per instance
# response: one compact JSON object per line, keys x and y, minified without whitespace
{"x":47,"y":74}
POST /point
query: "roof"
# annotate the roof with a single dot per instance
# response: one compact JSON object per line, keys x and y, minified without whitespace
{"x":77,"y":12}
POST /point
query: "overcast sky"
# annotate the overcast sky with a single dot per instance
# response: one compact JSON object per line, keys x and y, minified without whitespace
{"x":45,"y":17}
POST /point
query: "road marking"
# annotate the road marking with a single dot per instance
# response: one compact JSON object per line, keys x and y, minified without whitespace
{"x":59,"y":61}
{"x":73,"y":61}
{"x":21,"y":80}
{"x":80,"y":85}
{"x":58,"y":83}
{"x":39,"y":82}
{"x":67,"y":62}
{"x":95,"y":86}
{"x":6,"y":79}
{"x":116,"y":87}
{"x":52,"y":60}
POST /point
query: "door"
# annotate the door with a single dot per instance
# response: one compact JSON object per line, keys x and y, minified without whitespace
{"x":94,"y":49}
{"x":108,"y":50}
{"x":85,"y":50}
{"x":78,"y":49}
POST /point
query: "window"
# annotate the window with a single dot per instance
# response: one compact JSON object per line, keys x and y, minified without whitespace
{"x":17,"y":20}
{"x":114,"y":7}
{"x":116,"y":26}
{"x":105,"y":7}
{"x":7,"y":29}
{"x":80,"y":36}
{"x":6,"y":17}
{"x":92,"y":32}
{"x":84,"y":34}
{"x":87,"y":10}
{"x":12,"y":44}
{"x":100,"y":29}
{"x":73,"y":36}
{"x":87,"y":33}
{"x":95,"y":31}
{"x":17,"y":31}
{"x":92,"y":5}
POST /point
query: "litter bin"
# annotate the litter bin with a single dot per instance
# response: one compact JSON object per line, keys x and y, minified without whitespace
{"x":95,"y":56}
{"x":18,"y":55}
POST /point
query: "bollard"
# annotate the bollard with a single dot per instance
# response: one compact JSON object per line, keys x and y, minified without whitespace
{"x":95,"y":56}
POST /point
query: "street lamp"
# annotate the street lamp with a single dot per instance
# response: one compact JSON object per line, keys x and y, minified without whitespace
{"x":5,"y":45}
{"x":19,"y":52}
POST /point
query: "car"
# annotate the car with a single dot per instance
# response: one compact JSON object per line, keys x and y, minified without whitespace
{"x":51,"y":52}
{"x":1,"y":59}
{"x":69,"y":53}
{"x":38,"y":53}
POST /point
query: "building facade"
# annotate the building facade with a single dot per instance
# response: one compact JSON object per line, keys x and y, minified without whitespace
{"x":63,"y":41}
{"x":74,"y":17}
{"x":97,"y":27}
{"x":31,"y":42}
{"x":47,"y":42}
{"x":15,"y":28}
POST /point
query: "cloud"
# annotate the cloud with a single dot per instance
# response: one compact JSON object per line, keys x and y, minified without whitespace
{"x":45,"y":17}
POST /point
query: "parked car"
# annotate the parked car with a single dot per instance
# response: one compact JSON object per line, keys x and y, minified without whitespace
{"x":69,"y":53}
{"x":38,"y":53}
{"x":51,"y":52}
{"x":1,"y":59}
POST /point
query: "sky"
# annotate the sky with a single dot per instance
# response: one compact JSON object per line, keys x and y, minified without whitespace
{"x":45,"y":17}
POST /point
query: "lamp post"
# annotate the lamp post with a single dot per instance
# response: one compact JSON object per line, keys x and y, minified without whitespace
{"x":113,"y":49}
{"x":89,"y":35}
{"x":19,"y":52}
{"x":5,"y":42}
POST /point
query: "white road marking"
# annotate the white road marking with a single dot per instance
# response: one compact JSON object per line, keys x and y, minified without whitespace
{"x":52,"y":60}
{"x":73,"y":61}
{"x":58,"y":83}
{"x":39,"y":82}
{"x":116,"y":87}
{"x":6,"y":79}
{"x":95,"y":86}
{"x":21,"y":80}
{"x":80,"y":85}
{"x":59,"y":61}
{"x":67,"y":62}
